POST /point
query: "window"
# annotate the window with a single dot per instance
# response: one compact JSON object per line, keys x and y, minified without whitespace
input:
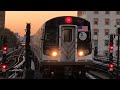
{"x":117,"y":21}
{"x":96,"y":21}
{"x":95,"y":43}
{"x":96,"y":31}
{"x":118,"y":12}
{"x":67,"y":35}
{"x":96,"y":12}
{"x":107,"y":21}
{"x":107,"y":12}
{"x":107,"y":31}
{"x":106,"y":42}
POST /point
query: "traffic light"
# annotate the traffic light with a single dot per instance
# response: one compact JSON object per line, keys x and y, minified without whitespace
{"x":111,"y":43}
{"x":111,"y":66}
{"x":4,"y":48}
{"x":4,"y":66}
{"x":111,"y":47}
{"x":111,"y":39}
{"x":111,"y":52}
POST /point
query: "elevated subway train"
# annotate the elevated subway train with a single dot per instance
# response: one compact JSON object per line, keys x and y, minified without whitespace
{"x":63,"y":41}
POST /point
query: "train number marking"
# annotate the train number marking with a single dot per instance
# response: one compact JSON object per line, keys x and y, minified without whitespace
{"x":82,"y":36}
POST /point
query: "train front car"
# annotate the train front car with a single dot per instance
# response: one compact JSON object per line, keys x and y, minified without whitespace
{"x":66,"y":44}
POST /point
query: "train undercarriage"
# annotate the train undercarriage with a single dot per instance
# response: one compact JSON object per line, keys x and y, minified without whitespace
{"x":64,"y":69}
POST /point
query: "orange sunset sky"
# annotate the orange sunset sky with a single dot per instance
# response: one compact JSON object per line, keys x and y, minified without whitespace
{"x":16,"y":20}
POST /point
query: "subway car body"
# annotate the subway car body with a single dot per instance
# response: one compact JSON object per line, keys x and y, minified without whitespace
{"x":63,"y":42}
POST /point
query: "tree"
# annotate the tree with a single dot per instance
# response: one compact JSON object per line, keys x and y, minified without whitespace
{"x":11,"y":38}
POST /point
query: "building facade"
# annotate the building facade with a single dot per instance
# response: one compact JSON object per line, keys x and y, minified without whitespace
{"x":2,"y":19}
{"x":102,"y":24}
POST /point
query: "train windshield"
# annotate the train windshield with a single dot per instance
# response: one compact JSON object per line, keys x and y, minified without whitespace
{"x":51,"y":36}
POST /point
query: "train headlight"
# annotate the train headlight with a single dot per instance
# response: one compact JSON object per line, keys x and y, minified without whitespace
{"x":54,"y":53}
{"x":81,"y":53}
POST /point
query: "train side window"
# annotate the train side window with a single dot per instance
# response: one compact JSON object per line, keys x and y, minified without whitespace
{"x":67,"y":35}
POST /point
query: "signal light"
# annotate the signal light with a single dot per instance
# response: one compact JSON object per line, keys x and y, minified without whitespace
{"x":111,"y":47}
{"x":4,"y":66}
{"x":111,"y":65}
{"x":68,"y":20}
{"x":4,"y":48}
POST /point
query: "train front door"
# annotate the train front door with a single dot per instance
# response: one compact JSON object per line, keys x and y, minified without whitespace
{"x":67,"y":42}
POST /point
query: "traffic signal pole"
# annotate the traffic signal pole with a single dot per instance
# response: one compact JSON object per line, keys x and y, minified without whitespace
{"x":4,"y":50}
{"x":111,"y":55}
{"x":111,"y":49}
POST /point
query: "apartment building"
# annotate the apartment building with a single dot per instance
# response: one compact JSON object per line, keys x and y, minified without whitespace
{"x":102,"y":25}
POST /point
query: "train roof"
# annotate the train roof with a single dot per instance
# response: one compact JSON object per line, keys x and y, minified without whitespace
{"x":62,"y":20}
{"x":63,"y":17}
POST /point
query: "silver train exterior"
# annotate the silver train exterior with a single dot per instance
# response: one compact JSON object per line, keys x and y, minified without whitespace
{"x":64,"y":40}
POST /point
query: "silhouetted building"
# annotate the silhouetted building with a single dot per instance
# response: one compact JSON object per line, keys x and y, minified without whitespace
{"x":2,"y":19}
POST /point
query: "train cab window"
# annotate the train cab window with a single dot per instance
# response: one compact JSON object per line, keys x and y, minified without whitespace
{"x":50,"y":37}
{"x":67,"y":35}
